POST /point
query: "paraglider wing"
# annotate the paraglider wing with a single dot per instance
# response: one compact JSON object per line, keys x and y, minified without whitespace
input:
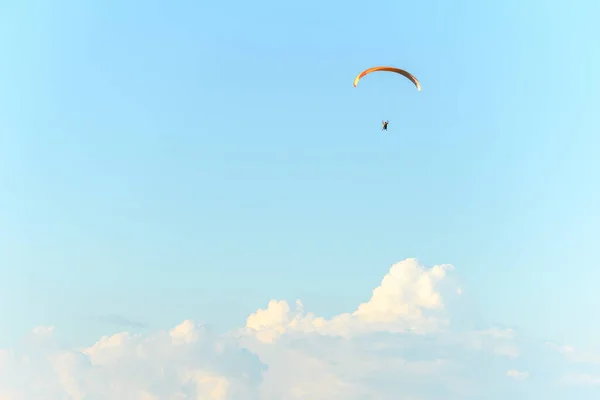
{"x":389,"y":69}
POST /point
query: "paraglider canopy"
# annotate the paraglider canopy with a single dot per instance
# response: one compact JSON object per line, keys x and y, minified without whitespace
{"x":406,"y":74}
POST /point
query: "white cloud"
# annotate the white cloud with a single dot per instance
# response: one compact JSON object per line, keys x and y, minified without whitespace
{"x":43,"y":330}
{"x":574,"y":355}
{"x":513,"y":373}
{"x":409,"y":298}
{"x":411,"y":340}
{"x":185,"y":363}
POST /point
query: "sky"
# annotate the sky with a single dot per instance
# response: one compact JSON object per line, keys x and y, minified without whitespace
{"x":169,"y":169}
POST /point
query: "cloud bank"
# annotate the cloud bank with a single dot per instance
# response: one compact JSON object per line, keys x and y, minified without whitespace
{"x":416,"y":338}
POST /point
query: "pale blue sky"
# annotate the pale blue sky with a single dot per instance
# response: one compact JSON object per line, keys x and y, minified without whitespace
{"x":163,"y":162}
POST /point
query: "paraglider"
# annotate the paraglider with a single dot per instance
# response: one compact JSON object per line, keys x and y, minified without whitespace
{"x":402,"y":72}
{"x":406,"y":74}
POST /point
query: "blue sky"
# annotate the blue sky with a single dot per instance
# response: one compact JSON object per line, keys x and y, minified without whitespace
{"x":164,"y":161}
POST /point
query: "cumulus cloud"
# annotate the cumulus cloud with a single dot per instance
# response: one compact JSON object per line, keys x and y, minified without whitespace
{"x":409,"y":299}
{"x":410,"y":340}
{"x":187,"y":362}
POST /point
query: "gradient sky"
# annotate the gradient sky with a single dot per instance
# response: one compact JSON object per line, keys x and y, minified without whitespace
{"x":170,"y":160}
